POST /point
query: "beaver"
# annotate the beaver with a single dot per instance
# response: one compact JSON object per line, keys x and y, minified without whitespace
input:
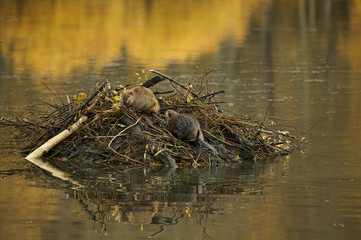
{"x":186,"y":128}
{"x":141,"y":99}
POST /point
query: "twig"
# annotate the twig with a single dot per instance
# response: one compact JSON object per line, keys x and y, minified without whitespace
{"x":71,"y":117}
{"x":264,"y":119}
{"x":314,"y":125}
{"x":203,"y":78}
{"x":205,"y":75}
{"x":82,"y":106}
{"x":212,"y":94}
{"x":222,"y":141}
{"x":125,"y":129}
{"x":56,"y":95}
{"x":215,"y":102}
{"x":124,"y":156}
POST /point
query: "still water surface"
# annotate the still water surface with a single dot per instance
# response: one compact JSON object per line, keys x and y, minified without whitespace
{"x":298,"y":59}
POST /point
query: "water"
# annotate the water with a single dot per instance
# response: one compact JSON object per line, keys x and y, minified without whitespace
{"x":298,"y":59}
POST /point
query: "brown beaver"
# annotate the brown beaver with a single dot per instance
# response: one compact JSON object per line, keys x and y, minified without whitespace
{"x":141,"y":99}
{"x":186,"y":127}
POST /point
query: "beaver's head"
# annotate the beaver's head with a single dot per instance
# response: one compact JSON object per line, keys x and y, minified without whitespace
{"x":169,"y":115}
{"x":128,"y":97}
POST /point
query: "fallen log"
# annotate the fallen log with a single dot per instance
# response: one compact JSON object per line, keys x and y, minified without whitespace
{"x":46,"y":147}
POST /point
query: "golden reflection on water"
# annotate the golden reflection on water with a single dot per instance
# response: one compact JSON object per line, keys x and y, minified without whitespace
{"x":62,"y":36}
{"x":23,"y":208}
{"x":66,"y":35}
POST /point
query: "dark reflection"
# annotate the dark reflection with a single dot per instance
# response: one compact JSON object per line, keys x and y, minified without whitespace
{"x":163,"y":197}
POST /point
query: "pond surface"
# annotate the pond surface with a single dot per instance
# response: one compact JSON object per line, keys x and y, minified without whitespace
{"x":298,"y":61}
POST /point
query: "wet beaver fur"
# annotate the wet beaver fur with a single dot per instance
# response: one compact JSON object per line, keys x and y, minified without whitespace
{"x":186,"y":128}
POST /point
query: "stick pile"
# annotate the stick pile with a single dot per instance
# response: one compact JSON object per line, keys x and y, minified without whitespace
{"x":99,"y":132}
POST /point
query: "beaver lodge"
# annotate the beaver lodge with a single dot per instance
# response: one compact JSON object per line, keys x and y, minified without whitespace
{"x":96,"y":131}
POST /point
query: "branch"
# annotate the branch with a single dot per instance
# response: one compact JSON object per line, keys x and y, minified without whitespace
{"x":52,"y":142}
{"x":163,"y":92}
{"x":81,"y":107}
{"x":212,"y":94}
{"x":174,"y":81}
{"x":154,"y":80}
{"x":121,"y":132}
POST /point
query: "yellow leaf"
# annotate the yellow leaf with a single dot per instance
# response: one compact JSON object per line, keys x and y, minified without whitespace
{"x":189,"y":98}
{"x":188,"y":211}
{"x":81,"y":97}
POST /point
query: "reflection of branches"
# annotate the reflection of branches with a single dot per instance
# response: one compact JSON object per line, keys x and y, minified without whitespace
{"x":93,"y":216}
{"x":168,"y":223}
{"x":141,"y":198}
{"x":10,"y":172}
{"x":205,"y":234}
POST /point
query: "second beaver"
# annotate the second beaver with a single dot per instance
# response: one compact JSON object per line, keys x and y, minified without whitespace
{"x":141,"y":99}
{"x":186,"y":127}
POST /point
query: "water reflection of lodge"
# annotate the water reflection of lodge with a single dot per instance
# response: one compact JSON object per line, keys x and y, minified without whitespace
{"x":64,"y":36}
{"x":160,"y":204}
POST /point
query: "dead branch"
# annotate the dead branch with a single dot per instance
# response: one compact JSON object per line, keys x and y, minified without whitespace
{"x":176,"y":82}
{"x":153,"y":81}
